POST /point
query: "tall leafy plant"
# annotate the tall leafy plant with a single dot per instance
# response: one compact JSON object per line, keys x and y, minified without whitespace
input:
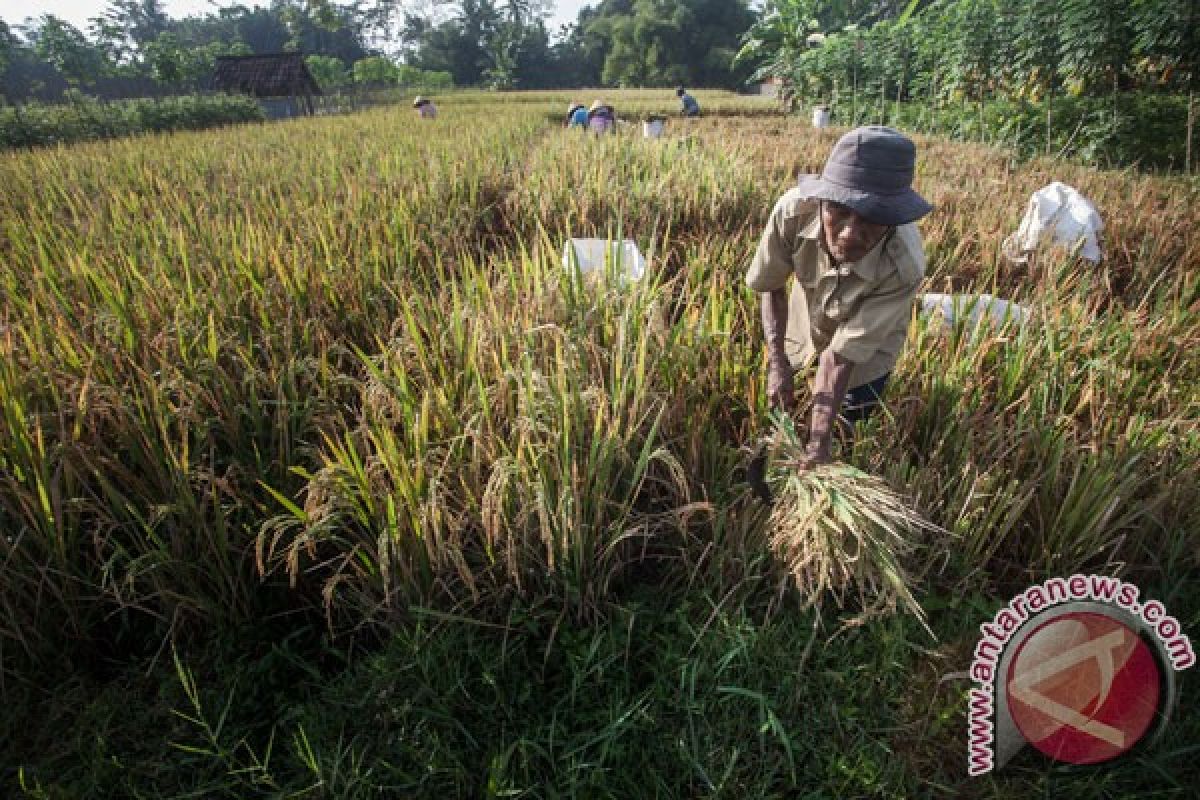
{"x":779,"y":39}
{"x":1168,"y":35}
{"x":1096,"y":44}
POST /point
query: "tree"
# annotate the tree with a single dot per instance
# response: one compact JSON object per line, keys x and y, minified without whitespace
{"x":8,"y":45}
{"x":580,"y":53}
{"x":1035,"y":49}
{"x":375,"y":71}
{"x":982,"y":49}
{"x":973,"y":57}
{"x":412,"y":78}
{"x":9,"y":48}
{"x":499,"y":43}
{"x":665,"y":42}
{"x":466,"y":45}
{"x":1168,"y":33}
{"x":111,"y":40}
{"x":1097,"y":43}
{"x":779,"y":38}
{"x":141,"y":21}
{"x":165,"y":57}
{"x":327,"y":71}
{"x":64,"y":46}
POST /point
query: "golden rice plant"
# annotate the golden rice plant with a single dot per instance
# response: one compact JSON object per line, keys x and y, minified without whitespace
{"x":841,"y":532}
{"x":357,"y":315}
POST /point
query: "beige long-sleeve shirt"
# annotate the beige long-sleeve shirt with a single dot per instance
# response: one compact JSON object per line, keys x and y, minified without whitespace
{"x":861,"y":310}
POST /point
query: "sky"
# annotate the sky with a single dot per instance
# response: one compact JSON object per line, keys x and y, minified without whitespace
{"x":78,"y":12}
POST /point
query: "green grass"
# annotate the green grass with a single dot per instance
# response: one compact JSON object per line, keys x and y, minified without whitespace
{"x":685,"y":695}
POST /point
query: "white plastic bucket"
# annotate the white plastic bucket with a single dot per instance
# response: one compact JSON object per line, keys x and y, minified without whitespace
{"x":593,"y":255}
{"x":820,"y":118}
{"x":653,"y":128}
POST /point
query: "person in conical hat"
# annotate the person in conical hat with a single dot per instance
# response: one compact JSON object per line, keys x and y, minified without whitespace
{"x":847,"y":241}
{"x":577,"y":116}
{"x":601,"y":117}
{"x":425,"y":107}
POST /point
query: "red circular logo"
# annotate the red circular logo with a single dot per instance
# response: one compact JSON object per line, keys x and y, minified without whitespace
{"x":1083,"y":688}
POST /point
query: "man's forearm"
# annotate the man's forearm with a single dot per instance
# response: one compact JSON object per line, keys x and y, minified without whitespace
{"x":829,"y":390}
{"x":774,"y":319}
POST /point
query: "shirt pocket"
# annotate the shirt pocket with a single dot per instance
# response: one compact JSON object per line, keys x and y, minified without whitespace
{"x":806,"y":264}
{"x":848,"y":297}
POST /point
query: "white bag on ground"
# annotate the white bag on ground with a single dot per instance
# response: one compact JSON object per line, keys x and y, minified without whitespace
{"x":592,"y":254}
{"x":974,"y":308}
{"x":1057,"y":215}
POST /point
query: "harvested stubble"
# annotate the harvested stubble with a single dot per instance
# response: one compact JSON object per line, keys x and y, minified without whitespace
{"x":842,"y":532}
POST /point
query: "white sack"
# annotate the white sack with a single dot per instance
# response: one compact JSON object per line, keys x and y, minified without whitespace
{"x":974,"y":308}
{"x":593,"y":253}
{"x":1057,"y":215}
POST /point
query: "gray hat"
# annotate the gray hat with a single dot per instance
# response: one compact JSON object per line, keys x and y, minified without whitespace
{"x":870,"y":171}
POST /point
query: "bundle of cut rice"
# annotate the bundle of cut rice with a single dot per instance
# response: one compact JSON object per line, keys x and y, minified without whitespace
{"x":839,"y":530}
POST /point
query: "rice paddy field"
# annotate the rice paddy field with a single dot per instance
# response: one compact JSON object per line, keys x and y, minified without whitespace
{"x":320,"y":476}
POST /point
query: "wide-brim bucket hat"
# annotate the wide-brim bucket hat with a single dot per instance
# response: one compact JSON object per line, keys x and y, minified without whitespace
{"x":870,"y":171}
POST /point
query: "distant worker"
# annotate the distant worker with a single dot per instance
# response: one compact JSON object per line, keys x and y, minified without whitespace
{"x":602,"y":118}
{"x":425,"y":108}
{"x":690,"y":108}
{"x":577,"y":116}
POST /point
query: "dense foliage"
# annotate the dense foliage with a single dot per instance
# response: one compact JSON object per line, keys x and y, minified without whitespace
{"x":958,"y":52}
{"x":83,"y":118}
{"x":135,"y":48}
{"x":661,"y":42}
{"x":978,"y":49}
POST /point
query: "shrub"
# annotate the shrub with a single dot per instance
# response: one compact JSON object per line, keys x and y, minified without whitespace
{"x":84,"y":118}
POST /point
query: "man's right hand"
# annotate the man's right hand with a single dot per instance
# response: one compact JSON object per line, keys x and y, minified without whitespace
{"x":781,"y":386}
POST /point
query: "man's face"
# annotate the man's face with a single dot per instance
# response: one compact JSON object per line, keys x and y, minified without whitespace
{"x":848,"y":237}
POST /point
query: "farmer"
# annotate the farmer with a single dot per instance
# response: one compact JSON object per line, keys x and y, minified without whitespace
{"x":689,"y":106}
{"x":577,"y":116}
{"x":602,"y":118}
{"x":848,"y":238}
{"x":425,"y":108}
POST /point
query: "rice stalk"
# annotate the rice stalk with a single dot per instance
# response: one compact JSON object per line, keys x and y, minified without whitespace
{"x":841,"y":532}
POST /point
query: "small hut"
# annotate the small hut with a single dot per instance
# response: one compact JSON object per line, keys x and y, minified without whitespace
{"x":281,"y":81}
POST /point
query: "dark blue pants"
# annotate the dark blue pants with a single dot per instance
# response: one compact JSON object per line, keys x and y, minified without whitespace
{"x":862,"y":400}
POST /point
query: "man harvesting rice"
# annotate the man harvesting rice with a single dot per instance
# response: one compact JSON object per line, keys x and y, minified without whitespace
{"x":688,"y":106}
{"x":577,"y":116}
{"x":847,"y":235}
{"x":425,"y":108}
{"x":602,"y":118}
